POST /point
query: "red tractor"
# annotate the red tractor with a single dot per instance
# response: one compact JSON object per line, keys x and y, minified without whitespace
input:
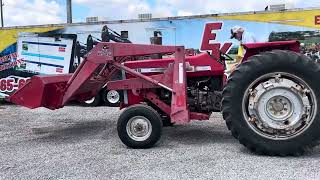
{"x":270,"y":102}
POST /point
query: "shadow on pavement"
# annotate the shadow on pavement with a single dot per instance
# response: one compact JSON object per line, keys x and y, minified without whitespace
{"x":198,"y":135}
{"x":79,"y":130}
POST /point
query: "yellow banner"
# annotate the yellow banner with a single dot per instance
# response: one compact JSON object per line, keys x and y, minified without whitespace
{"x":10,"y":36}
{"x":303,"y":18}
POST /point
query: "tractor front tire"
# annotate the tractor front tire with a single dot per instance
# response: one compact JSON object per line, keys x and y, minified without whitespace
{"x":271,"y":103}
{"x":139,"y":127}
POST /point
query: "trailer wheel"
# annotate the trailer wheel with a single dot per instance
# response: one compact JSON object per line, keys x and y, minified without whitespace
{"x":139,"y":126}
{"x":93,"y":102}
{"x":112,"y":98}
{"x":271,"y":103}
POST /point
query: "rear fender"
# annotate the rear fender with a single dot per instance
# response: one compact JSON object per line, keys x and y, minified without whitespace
{"x":256,"y":48}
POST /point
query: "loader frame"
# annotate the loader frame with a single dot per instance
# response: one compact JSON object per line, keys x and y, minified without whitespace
{"x":97,"y":69}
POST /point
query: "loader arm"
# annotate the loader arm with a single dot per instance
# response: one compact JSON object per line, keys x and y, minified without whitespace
{"x":96,"y":70}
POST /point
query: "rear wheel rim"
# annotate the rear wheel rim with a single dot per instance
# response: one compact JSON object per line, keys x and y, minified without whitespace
{"x":139,"y":128}
{"x":279,"y":106}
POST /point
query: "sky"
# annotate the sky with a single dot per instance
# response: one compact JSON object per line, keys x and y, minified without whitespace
{"x":33,"y":12}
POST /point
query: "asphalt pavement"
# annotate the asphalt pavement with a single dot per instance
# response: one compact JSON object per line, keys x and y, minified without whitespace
{"x":82,"y":143}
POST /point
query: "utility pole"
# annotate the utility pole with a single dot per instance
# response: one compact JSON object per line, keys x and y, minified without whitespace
{"x":1,"y":8}
{"x":69,"y":11}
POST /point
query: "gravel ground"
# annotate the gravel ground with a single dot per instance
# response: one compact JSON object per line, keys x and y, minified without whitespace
{"x":82,"y":143}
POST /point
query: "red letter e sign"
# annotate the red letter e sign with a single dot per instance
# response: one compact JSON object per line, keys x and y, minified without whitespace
{"x":209,"y":36}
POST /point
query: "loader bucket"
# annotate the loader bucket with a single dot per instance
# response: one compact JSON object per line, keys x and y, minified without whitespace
{"x":41,"y":91}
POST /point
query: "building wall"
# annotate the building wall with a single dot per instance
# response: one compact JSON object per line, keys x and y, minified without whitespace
{"x":301,"y":25}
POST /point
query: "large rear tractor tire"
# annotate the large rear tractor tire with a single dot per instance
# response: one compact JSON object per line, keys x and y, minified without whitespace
{"x":271,"y":103}
{"x":139,"y":126}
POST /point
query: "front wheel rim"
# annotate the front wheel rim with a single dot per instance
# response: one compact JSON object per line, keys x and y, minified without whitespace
{"x":279,"y":106}
{"x":139,"y":128}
